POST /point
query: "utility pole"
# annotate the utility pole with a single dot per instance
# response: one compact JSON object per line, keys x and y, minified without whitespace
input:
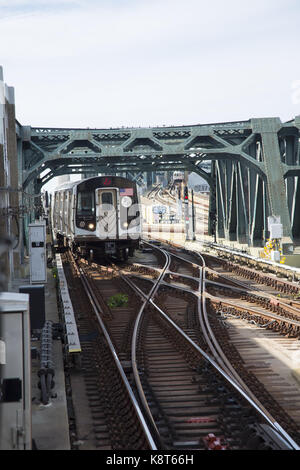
{"x":193,"y":216}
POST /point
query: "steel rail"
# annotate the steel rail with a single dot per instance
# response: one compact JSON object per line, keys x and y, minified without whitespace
{"x":221,"y":357}
{"x":246,"y":288}
{"x":97,"y":310}
{"x":273,"y":424}
{"x":136,"y":330}
{"x":224,"y":367}
{"x":209,"y":336}
{"x":260,"y":312}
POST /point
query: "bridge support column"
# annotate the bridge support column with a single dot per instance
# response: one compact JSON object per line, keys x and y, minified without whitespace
{"x":212,"y":218}
{"x":274,"y":197}
{"x":242,"y":226}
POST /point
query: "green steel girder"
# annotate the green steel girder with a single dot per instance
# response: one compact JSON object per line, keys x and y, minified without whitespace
{"x":255,"y":172}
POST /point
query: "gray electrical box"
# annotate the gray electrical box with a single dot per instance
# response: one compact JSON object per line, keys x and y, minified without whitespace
{"x":37,"y":252}
{"x":36,"y":305}
{"x":15,"y":372}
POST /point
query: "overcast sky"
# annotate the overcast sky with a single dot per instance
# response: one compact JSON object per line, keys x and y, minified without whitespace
{"x":111,"y":63}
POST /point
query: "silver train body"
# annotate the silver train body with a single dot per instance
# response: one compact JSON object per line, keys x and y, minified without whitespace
{"x":97,"y":215}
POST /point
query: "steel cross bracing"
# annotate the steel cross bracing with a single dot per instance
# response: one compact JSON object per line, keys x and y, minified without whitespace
{"x":255,"y":165}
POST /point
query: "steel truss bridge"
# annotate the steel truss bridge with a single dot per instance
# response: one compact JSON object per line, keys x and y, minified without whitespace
{"x":255,"y":166}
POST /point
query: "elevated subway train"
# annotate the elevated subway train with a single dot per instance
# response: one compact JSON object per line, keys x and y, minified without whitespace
{"x":178,"y":177}
{"x":97,"y":215}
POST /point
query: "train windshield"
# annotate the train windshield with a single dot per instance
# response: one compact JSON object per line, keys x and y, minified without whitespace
{"x":107,"y":198}
{"x":86,"y":203}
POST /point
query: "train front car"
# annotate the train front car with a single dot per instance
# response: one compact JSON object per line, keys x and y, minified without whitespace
{"x":107,"y":217}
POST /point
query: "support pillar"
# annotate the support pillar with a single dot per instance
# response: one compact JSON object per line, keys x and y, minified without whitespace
{"x":275,"y":197}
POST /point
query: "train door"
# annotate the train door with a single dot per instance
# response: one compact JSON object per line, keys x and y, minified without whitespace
{"x":61,"y":208}
{"x":67,"y":213}
{"x":54,"y":210}
{"x":107,"y":214}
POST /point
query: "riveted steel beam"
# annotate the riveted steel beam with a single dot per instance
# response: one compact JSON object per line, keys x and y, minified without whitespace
{"x":255,"y":168}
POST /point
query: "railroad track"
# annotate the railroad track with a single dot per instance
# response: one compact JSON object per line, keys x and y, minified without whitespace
{"x":239,"y":291}
{"x":189,"y":393}
{"x":118,"y":423}
{"x":222,"y":355}
{"x":285,"y":324}
{"x":254,"y":279}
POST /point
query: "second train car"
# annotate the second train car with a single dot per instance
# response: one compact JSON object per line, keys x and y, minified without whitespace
{"x":97,"y":215}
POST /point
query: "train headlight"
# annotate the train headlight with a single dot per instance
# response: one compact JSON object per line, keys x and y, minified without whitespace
{"x":126,"y":201}
{"x":125,"y":224}
{"x":82,"y":224}
{"x":91,"y":226}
